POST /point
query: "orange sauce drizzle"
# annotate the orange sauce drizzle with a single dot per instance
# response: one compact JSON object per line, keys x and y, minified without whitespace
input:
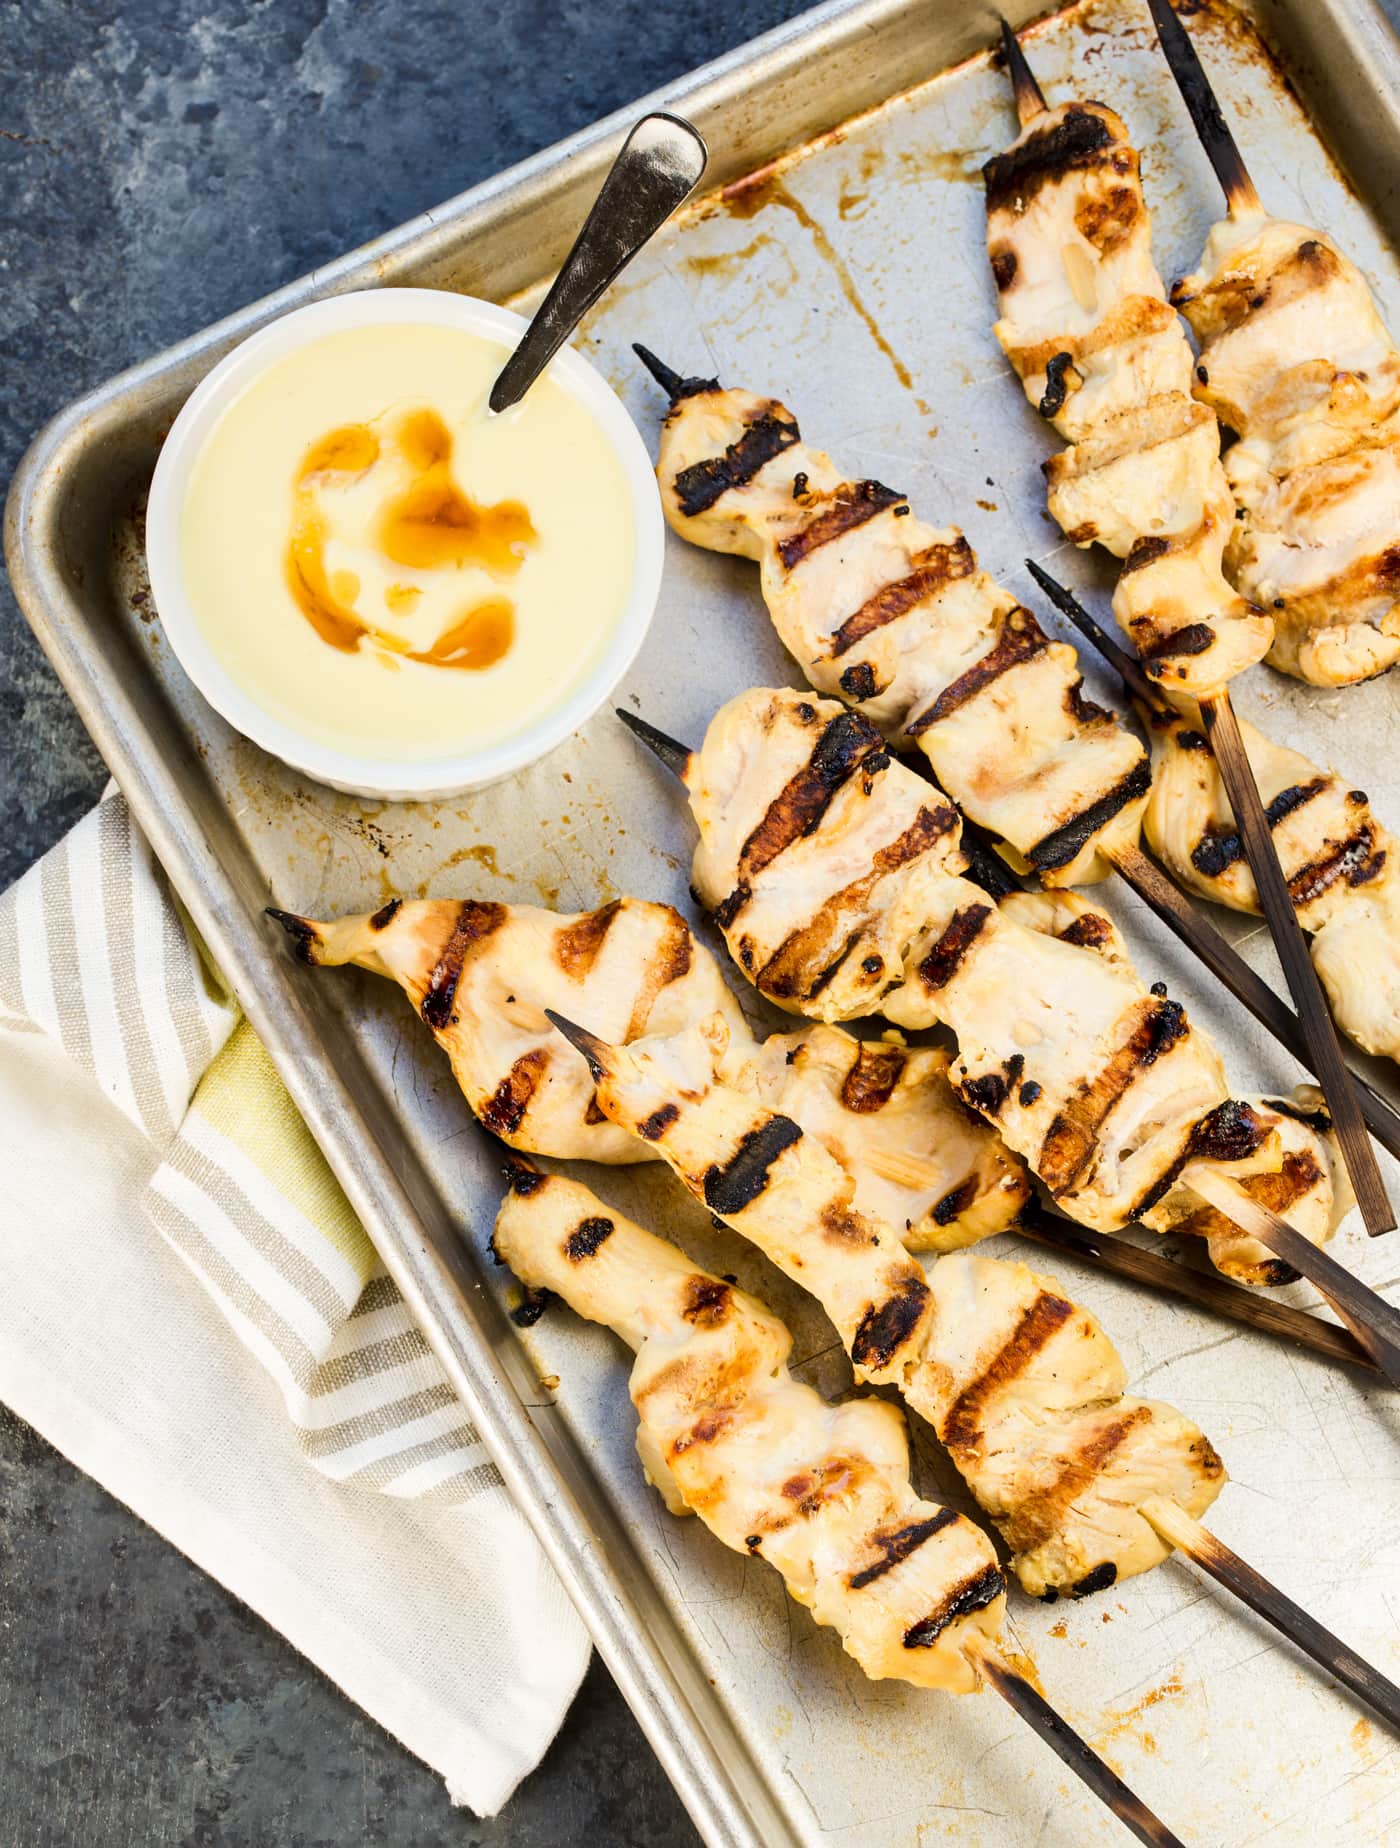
{"x":430,"y":526}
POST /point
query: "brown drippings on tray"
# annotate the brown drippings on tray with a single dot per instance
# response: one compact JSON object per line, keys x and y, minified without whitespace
{"x":747,"y":197}
{"x":431,"y":525}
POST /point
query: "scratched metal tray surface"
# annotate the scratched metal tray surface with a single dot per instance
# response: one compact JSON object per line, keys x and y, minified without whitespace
{"x":841,"y":267}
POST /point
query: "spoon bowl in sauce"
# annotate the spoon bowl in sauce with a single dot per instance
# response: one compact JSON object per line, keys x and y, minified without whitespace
{"x":372,"y":576}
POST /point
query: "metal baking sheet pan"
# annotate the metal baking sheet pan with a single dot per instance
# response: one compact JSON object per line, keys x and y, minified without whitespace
{"x":850,"y":280}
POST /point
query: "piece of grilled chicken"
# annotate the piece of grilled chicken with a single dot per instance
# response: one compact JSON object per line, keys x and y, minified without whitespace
{"x":1021,"y":1385}
{"x":481,"y":976}
{"x":842,"y":896}
{"x":1086,"y":323}
{"x":895,"y":617}
{"x":820,"y":1491}
{"x":1296,"y":360}
{"x":1341,"y":863}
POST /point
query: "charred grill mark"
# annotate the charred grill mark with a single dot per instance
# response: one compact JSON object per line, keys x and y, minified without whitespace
{"x":1072,"y":1137}
{"x":796,"y":811}
{"x":1220,"y":848}
{"x":729,"y":908}
{"x":700,"y":486}
{"x":1083,"y":711}
{"x":705,"y":1430}
{"x":739,"y":1182}
{"x":531,"y":1307}
{"x":845,"y":1226}
{"x":1098,"y":1580}
{"x":1053,"y":398}
{"x":784,"y":975}
{"x":521,"y":1179}
{"x":850,"y":506}
{"x":955,"y":1202}
{"x":1192,"y":638}
{"x":1028,"y":1093}
{"x":1076,"y":142}
{"x":935,"y":568}
{"x":858,"y":682}
{"x":576,"y":946}
{"x":475,"y":923}
{"x":1353,"y":860}
{"x":1089,"y":932}
{"x":1021,"y":639}
{"x":586,"y":1237}
{"x":707,"y":1301}
{"x":1145,"y":552}
{"x":885,"y":1327}
{"x":302,"y":931}
{"x":1059,"y":848}
{"x":654,"y":1127}
{"x":386,"y":914}
{"x":962,"y":1424}
{"x":1231,"y":1132}
{"x":871,"y":1080}
{"x":1004,"y":267}
{"x":504,"y":1110}
{"x":895,"y":1545}
{"x":988,"y":1093}
{"x":974,"y":1594}
{"x":1193,"y":741}
{"x":942,"y":962}
{"x":1039,"y":1513}
{"x":1319,"y":1120}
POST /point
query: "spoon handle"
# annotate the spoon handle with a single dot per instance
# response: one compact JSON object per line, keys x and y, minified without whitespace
{"x":659,"y":166}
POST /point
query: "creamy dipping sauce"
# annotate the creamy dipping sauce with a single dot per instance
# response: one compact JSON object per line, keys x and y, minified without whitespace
{"x":389,"y":569}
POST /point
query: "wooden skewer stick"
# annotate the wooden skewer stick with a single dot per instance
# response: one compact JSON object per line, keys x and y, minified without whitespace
{"x":1226,"y":1567}
{"x":1200,"y":99}
{"x":1223,"y":734}
{"x":1030,"y":99}
{"x":1030,"y":1704}
{"x":1370,"y":1318}
{"x":1176,"y":911}
{"x":676,"y":756}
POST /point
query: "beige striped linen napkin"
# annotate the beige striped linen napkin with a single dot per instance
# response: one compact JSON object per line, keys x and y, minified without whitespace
{"x":190,"y":1311}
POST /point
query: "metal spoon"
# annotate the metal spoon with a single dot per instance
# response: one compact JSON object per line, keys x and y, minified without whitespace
{"x":659,"y":166}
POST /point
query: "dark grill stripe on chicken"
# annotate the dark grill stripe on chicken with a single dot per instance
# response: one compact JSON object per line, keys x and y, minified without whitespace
{"x":1104,"y":1088}
{"x":1087,"y":326}
{"x":820,"y":1491}
{"x":1022,"y":1385}
{"x":482,"y":975}
{"x":1340,"y":861}
{"x":894,"y":617}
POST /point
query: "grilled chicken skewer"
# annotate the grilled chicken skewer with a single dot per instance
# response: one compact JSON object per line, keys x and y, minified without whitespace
{"x":840,"y":895}
{"x":481,"y":976}
{"x":821,"y":1491}
{"x":1296,"y":361}
{"x":1339,"y":858}
{"x":935,"y":653}
{"x":1022,"y":1386}
{"x":1086,"y":324}
{"x":887,"y":1113}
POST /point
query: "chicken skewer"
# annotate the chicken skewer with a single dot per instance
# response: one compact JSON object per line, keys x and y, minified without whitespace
{"x":849,"y":903}
{"x":1296,"y":361}
{"x":1069,"y":238}
{"x":887,"y":1113}
{"x":821,"y":1491}
{"x":1341,"y":862}
{"x":1022,"y":1386}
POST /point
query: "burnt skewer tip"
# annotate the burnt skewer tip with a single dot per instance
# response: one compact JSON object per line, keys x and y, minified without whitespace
{"x":1030,"y":98}
{"x":670,"y":381}
{"x":1204,"y":109}
{"x":1128,"y":670}
{"x":675,"y":755}
{"x":583,"y":1042}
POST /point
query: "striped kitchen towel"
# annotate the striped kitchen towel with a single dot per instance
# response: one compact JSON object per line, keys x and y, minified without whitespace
{"x":136,"y":1101}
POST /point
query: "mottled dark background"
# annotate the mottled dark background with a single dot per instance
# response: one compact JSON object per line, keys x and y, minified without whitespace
{"x":163,"y":162}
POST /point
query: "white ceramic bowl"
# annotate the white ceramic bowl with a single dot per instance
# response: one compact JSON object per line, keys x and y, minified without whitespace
{"x":368,"y":775}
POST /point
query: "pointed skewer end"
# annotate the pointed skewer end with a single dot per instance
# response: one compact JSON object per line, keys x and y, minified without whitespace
{"x":1030,"y":99}
{"x":675,"y":755}
{"x":1127,"y":668}
{"x":671,"y":382}
{"x":583,"y":1042}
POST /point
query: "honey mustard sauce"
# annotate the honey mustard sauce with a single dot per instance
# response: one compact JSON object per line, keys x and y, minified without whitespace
{"x":356,"y":523}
